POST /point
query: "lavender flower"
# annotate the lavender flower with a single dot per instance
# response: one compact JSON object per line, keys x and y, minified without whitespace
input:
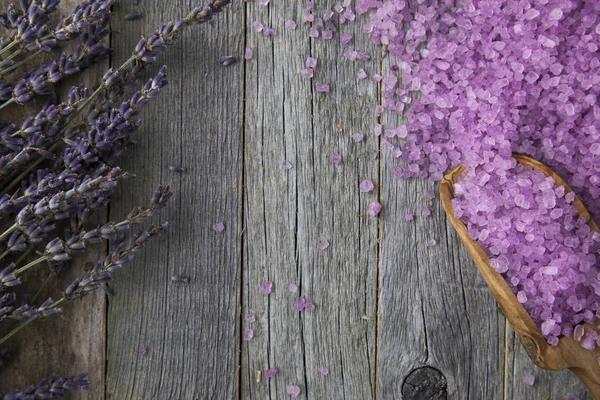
{"x":52,"y":388}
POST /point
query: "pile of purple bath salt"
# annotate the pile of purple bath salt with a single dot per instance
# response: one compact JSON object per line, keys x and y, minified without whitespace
{"x":548,"y":255}
{"x":479,"y":79}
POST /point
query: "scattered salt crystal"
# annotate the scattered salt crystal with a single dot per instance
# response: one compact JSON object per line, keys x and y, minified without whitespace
{"x":143,"y":350}
{"x":293,"y":391}
{"x":323,"y":245}
{"x":323,"y":370}
{"x":313,"y":32}
{"x":248,"y":53}
{"x":409,"y":217}
{"x":361,"y":74}
{"x":218,"y":227}
{"x":248,"y":334}
{"x":529,"y":379}
{"x":358,"y":137}
{"x":266,"y":287}
{"x":322,"y":87}
{"x":377,"y":77}
{"x":366,"y":186}
{"x":286,"y":164}
{"x":300,"y":303}
{"x":270,"y":373}
{"x":293,"y":288}
{"x":431,"y":242}
{"x":258,"y":26}
{"x":263,"y":2}
{"x":290,"y":24}
{"x":345,"y":38}
{"x":250,"y":317}
{"x":327,"y":34}
{"x":374,"y":208}
{"x":337,"y":159}
{"x":308,"y":18}
{"x":311,"y":63}
{"x":307,"y":73}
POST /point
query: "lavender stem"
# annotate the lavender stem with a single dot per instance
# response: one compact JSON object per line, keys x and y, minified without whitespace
{"x":7,"y":59}
{"x":7,"y":102}
{"x":8,"y":47}
{"x":8,"y":231}
{"x":31,"y":264}
{"x":18,"y":64}
{"x":17,"y":329}
{"x":46,"y":282}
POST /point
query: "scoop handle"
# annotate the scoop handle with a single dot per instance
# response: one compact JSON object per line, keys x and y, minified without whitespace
{"x":590,"y":378}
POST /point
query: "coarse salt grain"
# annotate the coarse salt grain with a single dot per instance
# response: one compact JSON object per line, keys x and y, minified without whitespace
{"x":366,"y":186}
{"x":248,"y":334}
{"x":248,"y":53}
{"x":323,"y":370}
{"x":322,"y":87}
{"x":290,"y":24}
{"x":293,"y":287}
{"x":345,"y":38}
{"x":218,"y":227}
{"x":337,"y":159}
{"x":361,"y":74}
{"x":293,"y":391}
{"x":357,"y":137}
{"x":270,"y":373}
{"x":266,"y":287}
{"x":311,"y":63}
{"x":323,"y":245}
{"x":529,"y":379}
{"x":374,"y":208}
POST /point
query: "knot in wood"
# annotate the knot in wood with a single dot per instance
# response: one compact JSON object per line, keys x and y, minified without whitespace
{"x":425,"y":383}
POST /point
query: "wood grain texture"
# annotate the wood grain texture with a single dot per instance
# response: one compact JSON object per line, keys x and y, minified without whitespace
{"x":288,"y":212}
{"x":74,"y":341}
{"x":190,"y":331}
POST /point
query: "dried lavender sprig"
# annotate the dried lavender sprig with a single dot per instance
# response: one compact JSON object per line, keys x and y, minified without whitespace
{"x":101,"y":273}
{"x":59,"y":251}
{"x":146,"y":50}
{"x":31,"y":26}
{"x":144,"y":54}
{"x":35,"y":221}
{"x":54,"y":387}
{"x":39,"y":82}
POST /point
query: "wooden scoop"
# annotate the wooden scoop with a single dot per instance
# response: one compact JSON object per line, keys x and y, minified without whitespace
{"x":568,"y":353}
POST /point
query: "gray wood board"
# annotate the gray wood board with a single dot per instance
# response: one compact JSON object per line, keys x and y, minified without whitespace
{"x":190,"y":331}
{"x":74,"y":341}
{"x":289,"y":211}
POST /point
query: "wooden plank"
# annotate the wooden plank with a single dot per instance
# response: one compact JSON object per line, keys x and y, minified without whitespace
{"x":434,"y":308}
{"x":288,"y":212}
{"x":74,"y":341}
{"x":190,"y":331}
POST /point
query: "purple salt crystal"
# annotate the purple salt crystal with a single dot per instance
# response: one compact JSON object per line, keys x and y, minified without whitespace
{"x":529,"y":379}
{"x":357,"y":137}
{"x":311,"y":63}
{"x":300,"y":303}
{"x":361,"y":74}
{"x":290,"y":24}
{"x":258,"y":26}
{"x":248,"y":334}
{"x":323,"y":245}
{"x":143,"y":350}
{"x":248,"y":53}
{"x":409,"y":217}
{"x":337,"y":159}
{"x":308,"y":18}
{"x":307,"y":73}
{"x":323,"y":370}
{"x":270,"y":373}
{"x":263,"y":2}
{"x":322,"y":87}
{"x":374,"y":208}
{"x":431,"y":242}
{"x":345,"y":38}
{"x":313,"y":32}
{"x":266,"y":287}
{"x":293,"y":288}
{"x":377,"y":77}
{"x":293,"y":391}
{"x":286,"y":164}
{"x":218,"y":227}
{"x":250,"y":317}
{"x":366,"y":186}
{"x":327,"y":34}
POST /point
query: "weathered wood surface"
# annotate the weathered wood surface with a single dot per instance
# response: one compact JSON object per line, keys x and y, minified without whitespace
{"x":394,"y":318}
{"x":73,"y":341}
{"x":191,"y":331}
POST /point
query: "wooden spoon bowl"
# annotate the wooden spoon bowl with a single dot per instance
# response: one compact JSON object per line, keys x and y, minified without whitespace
{"x":569,"y":353}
